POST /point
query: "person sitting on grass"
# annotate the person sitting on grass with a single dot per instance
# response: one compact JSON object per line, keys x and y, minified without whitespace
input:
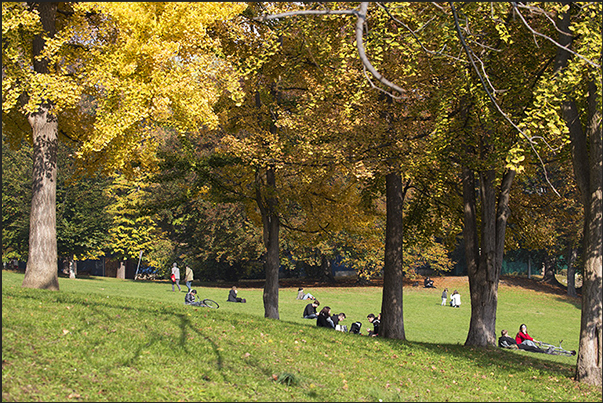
{"x":376,"y":322}
{"x":310,"y":310}
{"x":504,"y":341}
{"x":524,"y":338}
{"x":428,"y":282}
{"x":232,"y":295}
{"x":189,"y":298}
{"x":324,"y":318}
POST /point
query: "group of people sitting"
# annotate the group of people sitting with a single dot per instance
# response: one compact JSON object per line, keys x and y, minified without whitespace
{"x":324,"y":318}
{"x":522,"y":341}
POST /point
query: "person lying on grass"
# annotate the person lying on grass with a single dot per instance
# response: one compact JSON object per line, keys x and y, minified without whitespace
{"x":337,"y":321}
{"x":302,"y":295}
{"x":504,"y":341}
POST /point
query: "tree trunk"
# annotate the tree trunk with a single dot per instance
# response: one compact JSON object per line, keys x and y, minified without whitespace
{"x":587,"y":169}
{"x":121,"y":270}
{"x":587,"y":161}
{"x":484,"y":259}
{"x":326,"y":270}
{"x":392,"y":320}
{"x":271,"y":227}
{"x":42,"y":270}
{"x":550,"y":268}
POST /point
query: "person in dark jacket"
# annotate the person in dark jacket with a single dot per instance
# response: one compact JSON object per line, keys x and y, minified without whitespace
{"x":324,"y":318}
{"x":310,"y":310}
{"x":504,"y":341}
{"x":376,"y":322}
{"x":232,"y":295}
{"x":337,"y":322}
{"x":189,"y":298}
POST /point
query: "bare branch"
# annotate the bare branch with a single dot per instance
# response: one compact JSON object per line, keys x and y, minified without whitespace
{"x":361,"y":14}
{"x":516,"y":9}
{"x":360,"y":45}
{"x":469,"y":55}
{"x":266,"y":17}
{"x":413,"y":33}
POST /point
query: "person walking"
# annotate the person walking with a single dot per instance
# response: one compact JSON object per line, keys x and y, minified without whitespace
{"x":188,"y":277}
{"x":175,"y":277}
{"x":444,"y":296}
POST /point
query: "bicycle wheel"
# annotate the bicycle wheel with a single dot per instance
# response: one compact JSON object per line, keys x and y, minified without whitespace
{"x":210,"y":303}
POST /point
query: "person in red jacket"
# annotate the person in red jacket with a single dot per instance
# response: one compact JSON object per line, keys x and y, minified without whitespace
{"x":523,"y":337}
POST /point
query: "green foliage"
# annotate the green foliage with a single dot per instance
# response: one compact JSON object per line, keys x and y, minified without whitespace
{"x":16,"y":200}
{"x":131,"y":230}
{"x":106,"y":339}
{"x":82,"y":218}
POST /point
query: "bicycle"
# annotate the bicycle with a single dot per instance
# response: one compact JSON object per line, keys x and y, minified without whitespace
{"x":209,"y":303}
{"x":205,"y":303}
{"x":556,"y":350}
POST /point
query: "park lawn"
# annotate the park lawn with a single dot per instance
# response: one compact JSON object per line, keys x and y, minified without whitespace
{"x":105,"y":339}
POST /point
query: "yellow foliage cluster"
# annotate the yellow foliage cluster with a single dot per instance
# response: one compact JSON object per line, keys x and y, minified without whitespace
{"x":120,"y":68}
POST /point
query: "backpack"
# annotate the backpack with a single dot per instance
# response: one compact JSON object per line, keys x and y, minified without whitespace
{"x":355,"y":328}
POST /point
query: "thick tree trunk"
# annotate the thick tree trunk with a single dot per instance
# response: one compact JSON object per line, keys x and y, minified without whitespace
{"x":392,"y":320}
{"x":587,"y":161}
{"x":271,"y":227}
{"x":587,"y":169}
{"x":484,"y":259}
{"x":42,"y":264}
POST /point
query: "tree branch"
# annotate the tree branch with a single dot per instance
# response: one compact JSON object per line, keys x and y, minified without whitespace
{"x":534,"y":32}
{"x":469,"y":55}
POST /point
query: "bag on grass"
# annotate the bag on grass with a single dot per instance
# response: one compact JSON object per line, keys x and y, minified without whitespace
{"x":355,"y":328}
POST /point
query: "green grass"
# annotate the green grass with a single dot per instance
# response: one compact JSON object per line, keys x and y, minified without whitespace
{"x":104,"y":339}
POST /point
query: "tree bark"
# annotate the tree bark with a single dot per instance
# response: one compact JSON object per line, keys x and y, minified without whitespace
{"x":587,"y":159}
{"x":271,"y":227}
{"x":484,"y":259}
{"x":42,"y":264}
{"x":392,"y":320}
{"x":550,"y":268}
{"x":121,"y":270}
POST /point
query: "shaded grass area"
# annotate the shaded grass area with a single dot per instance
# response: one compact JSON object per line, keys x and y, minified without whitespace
{"x":103,"y":339}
